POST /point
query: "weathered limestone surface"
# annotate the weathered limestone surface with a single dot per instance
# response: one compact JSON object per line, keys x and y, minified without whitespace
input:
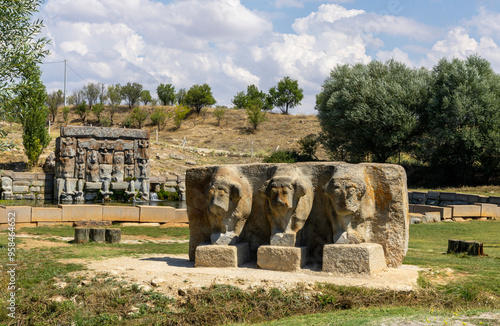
{"x":363,"y":258}
{"x":281,"y":258}
{"x":300,"y":205}
{"x":222,"y":256}
{"x":97,"y":161}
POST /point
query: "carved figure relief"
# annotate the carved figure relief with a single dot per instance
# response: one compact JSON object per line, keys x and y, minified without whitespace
{"x":80,"y":171}
{"x":106,"y":156}
{"x":129,"y":157}
{"x":79,"y":192}
{"x":229,"y":205}
{"x":105,"y":171}
{"x":68,"y":147}
{"x":289,"y":198}
{"x":129,"y":171}
{"x":346,"y":191}
{"x":66,"y":167}
{"x":143,"y":149}
{"x":68,"y":190}
{"x":93,"y":167}
{"x":118,"y":164}
{"x":144,"y":190}
{"x":142,"y":165}
{"x":6,"y":188}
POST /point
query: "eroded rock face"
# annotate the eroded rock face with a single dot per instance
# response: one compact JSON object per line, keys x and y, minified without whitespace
{"x":229,"y":205}
{"x":305,"y":204}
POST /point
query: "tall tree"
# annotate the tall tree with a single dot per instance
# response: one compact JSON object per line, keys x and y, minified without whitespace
{"x":371,"y":110}
{"x":146,"y":97}
{"x":286,"y":95}
{"x":166,"y":94}
{"x":180,"y":96}
{"x":54,"y":100}
{"x":20,"y":52}
{"x":462,"y":121}
{"x":114,"y":98}
{"x":252,"y":97}
{"x":91,"y":93}
{"x":199,"y":96}
{"x":131,"y":93}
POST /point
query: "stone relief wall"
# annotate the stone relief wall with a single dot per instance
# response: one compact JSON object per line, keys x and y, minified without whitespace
{"x":306,"y":205}
{"x":93,"y":161}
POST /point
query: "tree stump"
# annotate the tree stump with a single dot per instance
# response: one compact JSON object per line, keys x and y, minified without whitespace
{"x":97,"y":235}
{"x":453,"y":246}
{"x":113,"y":235}
{"x":81,"y":235}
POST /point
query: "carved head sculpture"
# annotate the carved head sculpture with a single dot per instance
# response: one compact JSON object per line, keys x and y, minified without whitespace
{"x":289,"y":199}
{"x":346,"y":191}
{"x":229,"y":205}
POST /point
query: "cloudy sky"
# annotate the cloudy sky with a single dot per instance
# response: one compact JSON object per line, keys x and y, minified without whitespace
{"x":230,"y":44}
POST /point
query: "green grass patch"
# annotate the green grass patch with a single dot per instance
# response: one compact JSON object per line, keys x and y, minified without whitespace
{"x":479,"y":190}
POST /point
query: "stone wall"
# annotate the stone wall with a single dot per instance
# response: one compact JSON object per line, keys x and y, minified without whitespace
{"x":27,"y":186}
{"x":96,"y":161}
{"x":27,"y":216}
{"x":299,"y":205}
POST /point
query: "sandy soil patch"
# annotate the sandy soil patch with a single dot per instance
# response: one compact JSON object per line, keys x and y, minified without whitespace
{"x":175,"y":275}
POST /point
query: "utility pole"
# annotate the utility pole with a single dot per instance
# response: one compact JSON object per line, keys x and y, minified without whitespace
{"x":65,"y":61}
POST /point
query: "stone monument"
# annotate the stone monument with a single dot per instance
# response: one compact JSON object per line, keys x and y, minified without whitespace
{"x":97,"y":161}
{"x":286,"y":215}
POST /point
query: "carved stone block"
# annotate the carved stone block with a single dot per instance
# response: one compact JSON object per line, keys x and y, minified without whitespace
{"x":142,"y":169}
{"x":93,"y":166}
{"x":278,"y":258}
{"x":118,"y":167}
{"x":105,"y":171}
{"x":363,"y":258}
{"x":129,"y":157}
{"x":141,"y":148}
{"x":222,"y":256}
{"x":129,"y":171}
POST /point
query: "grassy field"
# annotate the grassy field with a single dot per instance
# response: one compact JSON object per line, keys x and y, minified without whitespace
{"x":454,"y":288}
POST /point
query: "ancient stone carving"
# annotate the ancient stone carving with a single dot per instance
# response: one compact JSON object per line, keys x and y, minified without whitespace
{"x":289,"y":198}
{"x":6,"y":188}
{"x":346,"y":191}
{"x":229,"y":205}
{"x":118,"y":164}
{"x":103,"y":157}
{"x":93,"y":166}
{"x":50,"y":163}
{"x":131,"y":188}
{"x":144,"y":190}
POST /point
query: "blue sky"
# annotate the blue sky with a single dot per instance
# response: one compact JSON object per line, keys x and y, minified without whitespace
{"x":230,"y":44}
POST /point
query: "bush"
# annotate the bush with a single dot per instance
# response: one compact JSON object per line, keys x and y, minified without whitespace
{"x":255,"y":116}
{"x":283,"y":156}
{"x":180,"y":113}
{"x":82,"y":110}
{"x":308,"y":146}
{"x":97,"y":110}
{"x":219,"y":113}
{"x":65,"y":112}
{"x":159,"y":117}
{"x":138,"y":116}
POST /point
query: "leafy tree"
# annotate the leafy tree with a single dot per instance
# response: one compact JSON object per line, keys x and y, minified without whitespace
{"x":219,"y":113}
{"x":146,"y":97}
{"x":91,"y":93}
{"x":77,"y":97}
{"x":20,"y":53}
{"x":103,"y":94}
{"x":30,"y":102}
{"x":131,"y":93}
{"x":462,"y":121}
{"x":82,"y":110}
{"x":286,"y":95}
{"x":371,"y":110}
{"x":54,"y":100}
{"x":308,"y":147}
{"x":65,"y":112}
{"x":160,"y":116}
{"x":252,"y":97}
{"x":114,"y":98}
{"x":255,"y":116}
{"x":97,"y":110}
{"x":180,"y":112}
{"x":138,"y":116}
{"x":166,"y":94}
{"x":180,"y":96}
{"x":19,"y":48}
{"x":199,"y":96}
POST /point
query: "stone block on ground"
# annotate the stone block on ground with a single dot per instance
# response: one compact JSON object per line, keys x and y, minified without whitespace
{"x":494,"y":200}
{"x":82,"y":235}
{"x":181,"y":215}
{"x":416,"y":218}
{"x":46,"y":214}
{"x":488,"y":210}
{"x":156,"y":214}
{"x":444,"y":211}
{"x":364,"y":258}
{"x":81,"y":213}
{"x":465,"y":210}
{"x":113,"y":235}
{"x":208,"y":255}
{"x":120,"y":213}
{"x":279,"y":258}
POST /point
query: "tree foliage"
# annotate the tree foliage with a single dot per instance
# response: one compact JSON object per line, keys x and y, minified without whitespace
{"x":91,"y":93}
{"x":166,"y":94}
{"x":54,"y":100}
{"x":131,"y":93}
{"x":114,"y":98}
{"x":180,"y":112}
{"x":371,"y":110}
{"x":146,"y":97}
{"x":462,"y":120}
{"x":180,"y":96}
{"x":82,"y":110}
{"x":255,"y":116}
{"x":160,"y":116}
{"x":286,"y":95}
{"x":97,"y":110}
{"x":138,"y":116}
{"x":219,"y":113}
{"x":199,"y":96}
{"x":252,"y":97}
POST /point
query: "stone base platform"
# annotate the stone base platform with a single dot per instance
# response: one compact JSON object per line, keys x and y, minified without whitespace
{"x":364,"y":258}
{"x":209,"y":255}
{"x":278,"y":258}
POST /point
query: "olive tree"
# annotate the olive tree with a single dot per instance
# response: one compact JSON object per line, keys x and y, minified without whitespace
{"x":131,"y":93}
{"x":286,"y":95}
{"x":199,"y":96}
{"x":166,"y":94}
{"x":370,"y":110}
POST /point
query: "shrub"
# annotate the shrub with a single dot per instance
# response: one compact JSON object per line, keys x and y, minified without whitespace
{"x":82,"y":110}
{"x":138,"y":116}
{"x":180,"y":113}
{"x":255,"y":116}
{"x":65,"y":112}
{"x":283,"y":156}
{"x":309,"y":146}
{"x":159,"y":117}
{"x":219,"y":113}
